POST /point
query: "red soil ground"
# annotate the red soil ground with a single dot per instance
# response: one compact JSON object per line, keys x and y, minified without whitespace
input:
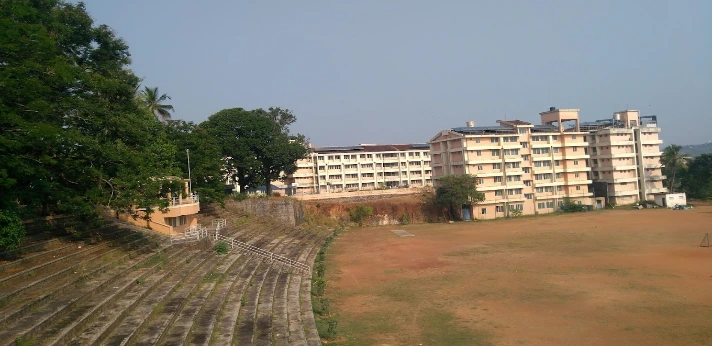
{"x":618,"y":277}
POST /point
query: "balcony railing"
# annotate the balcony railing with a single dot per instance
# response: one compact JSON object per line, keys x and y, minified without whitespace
{"x":191,"y":199}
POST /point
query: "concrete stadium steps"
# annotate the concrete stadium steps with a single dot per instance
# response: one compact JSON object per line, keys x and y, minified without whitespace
{"x":125,"y":293}
{"x":36,"y":307}
{"x":31,"y":295}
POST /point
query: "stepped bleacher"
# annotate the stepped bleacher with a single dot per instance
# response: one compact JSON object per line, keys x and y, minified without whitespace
{"x":128,"y":286}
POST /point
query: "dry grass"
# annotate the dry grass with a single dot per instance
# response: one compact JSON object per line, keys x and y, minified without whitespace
{"x":608,"y":277}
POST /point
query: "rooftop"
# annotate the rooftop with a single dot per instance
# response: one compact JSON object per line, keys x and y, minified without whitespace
{"x":366,"y":148}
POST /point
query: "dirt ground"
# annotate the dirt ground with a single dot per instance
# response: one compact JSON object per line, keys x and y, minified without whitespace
{"x":617,"y":277}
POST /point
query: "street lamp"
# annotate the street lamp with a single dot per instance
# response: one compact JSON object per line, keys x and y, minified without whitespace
{"x":190,"y":182}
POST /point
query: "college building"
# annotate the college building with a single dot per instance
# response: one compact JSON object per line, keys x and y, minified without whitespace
{"x":336,"y":169}
{"x":533,"y":168}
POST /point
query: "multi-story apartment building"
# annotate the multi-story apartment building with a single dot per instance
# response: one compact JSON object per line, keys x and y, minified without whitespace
{"x":625,"y":157}
{"x":362,"y":167}
{"x":518,"y":165}
{"x":532,"y":168}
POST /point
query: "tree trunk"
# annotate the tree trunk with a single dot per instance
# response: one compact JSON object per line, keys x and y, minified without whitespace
{"x":268,"y":186}
{"x":672,"y":182}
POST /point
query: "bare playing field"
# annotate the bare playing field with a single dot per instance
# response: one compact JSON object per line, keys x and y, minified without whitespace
{"x":619,"y":277}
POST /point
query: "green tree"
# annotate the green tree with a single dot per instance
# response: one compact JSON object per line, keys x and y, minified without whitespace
{"x":153,"y":101}
{"x":205,"y":158}
{"x":697,"y":182}
{"x":256,"y":148}
{"x":282,"y":117}
{"x":675,"y":163}
{"x":71,"y":134}
{"x":455,"y":191}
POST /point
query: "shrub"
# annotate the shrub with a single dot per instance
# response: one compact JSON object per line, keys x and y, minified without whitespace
{"x":12,"y":232}
{"x":570,"y":206}
{"x":360,"y":213}
{"x":276,"y":194}
{"x":331,"y":330}
{"x":319,"y":286}
{"x":222,"y":248}
{"x":515,"y":212}
{"x":405,"y":219}
{"x":241,"y":196}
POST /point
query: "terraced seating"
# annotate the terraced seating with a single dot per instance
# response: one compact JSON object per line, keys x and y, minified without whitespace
{"x":136,"y":288}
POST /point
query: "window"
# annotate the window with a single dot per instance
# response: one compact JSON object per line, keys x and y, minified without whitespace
{"x":578,"y":188}
{"x":575,"y":162}
{"x":522,"y":131}
{"x":539,"y":189}
{"x":477,"y":140}
{"x":176,"y":221}
{"x":480,"y":181}
{"x":525,"y":157}
{"x":527,"y":183}
{"x":556,"y":150}
{"x":540,"y":205}
{"x":528,"y":196}
{"x":512,"y":165}
{"x":497,"y":179}
{"x":478,"y":152}
{"x":524,"y":144}
{"x":558,"y":175}
{"x":550,"y":204}
{"x":484,"y":211}
{"x":554,"y":138}
{"x":496,"y":166}
{"x":498,"y":192}
{"x":511,"y":151}
{"x":514,"y":178}
{"x":494,"y":140}
{"x":499,"y":209}
{"x":495,"y":152}
{"x":559,"y":188}
{"x":573,"y":137}
{"x":557,"y":163}
{"x":526,"y":169}
{"x":511,"y":192}
{"x":479,"y":168}
{"x":576,"y":175}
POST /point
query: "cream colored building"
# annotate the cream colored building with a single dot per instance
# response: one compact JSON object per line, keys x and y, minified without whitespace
{"x":519,"y":166}
{"x":362,"y":167}
{"x":625,"y":157}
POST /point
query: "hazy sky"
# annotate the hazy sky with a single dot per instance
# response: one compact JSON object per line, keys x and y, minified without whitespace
{"x":392,"y":71}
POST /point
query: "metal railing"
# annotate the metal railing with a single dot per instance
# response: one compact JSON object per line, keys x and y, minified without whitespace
{"x":271,"y":256}
{"x":193,"y":233}
{"x":219,"y":224}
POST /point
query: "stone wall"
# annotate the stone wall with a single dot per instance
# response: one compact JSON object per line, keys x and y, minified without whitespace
{"x":287,"y":210}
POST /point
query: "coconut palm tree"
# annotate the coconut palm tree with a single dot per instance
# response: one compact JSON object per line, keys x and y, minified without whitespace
{"x":151,"y":99}
{"x":673,"y":160}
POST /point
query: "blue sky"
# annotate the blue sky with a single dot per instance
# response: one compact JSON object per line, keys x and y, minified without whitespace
{"x":399,"y":71}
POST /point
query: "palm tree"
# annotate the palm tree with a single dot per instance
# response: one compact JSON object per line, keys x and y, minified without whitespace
{"x":149,"y":97}
{"x":673,"y":160}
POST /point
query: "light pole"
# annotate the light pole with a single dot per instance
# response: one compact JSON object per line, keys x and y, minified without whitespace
{"x":190,"y":182}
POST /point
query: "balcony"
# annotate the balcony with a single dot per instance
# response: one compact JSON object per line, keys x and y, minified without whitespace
{"x":656,"y":190}
{"x":178,"y":206}
{"x":650,"y":129}
{"x":652,"y":153}
{"x":623,"y":193}
{"x":652,"y":141}
{"x":653,"y":165}
{"x":655,"y":177}
{"x":618,"y":180}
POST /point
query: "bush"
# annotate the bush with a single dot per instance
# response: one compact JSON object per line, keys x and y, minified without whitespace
{"x":360,"y":213}
{"x":222,"y":248}
{"x":405,"y":219}
{"x":570,"y":206}
{"x":515,"y":213}
{"x":241,"y":196}
{"x":12,"y":232}
{"x":276,"y":194}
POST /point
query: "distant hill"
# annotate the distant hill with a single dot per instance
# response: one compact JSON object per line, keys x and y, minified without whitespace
{"x":697,"y":149}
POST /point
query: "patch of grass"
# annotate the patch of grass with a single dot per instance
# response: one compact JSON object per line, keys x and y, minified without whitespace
{"x":22,"y":341}
{"x":213,"y":276}
{"x":154,"y":260}
{"x":441,"y":328}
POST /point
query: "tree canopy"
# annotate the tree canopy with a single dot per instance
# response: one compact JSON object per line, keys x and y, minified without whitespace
{"x":72,"y":134}
{"x":454,"y":191}
{"x":675,"y":162}
{"x":697,"y":178}
{"x":256,"y":144}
